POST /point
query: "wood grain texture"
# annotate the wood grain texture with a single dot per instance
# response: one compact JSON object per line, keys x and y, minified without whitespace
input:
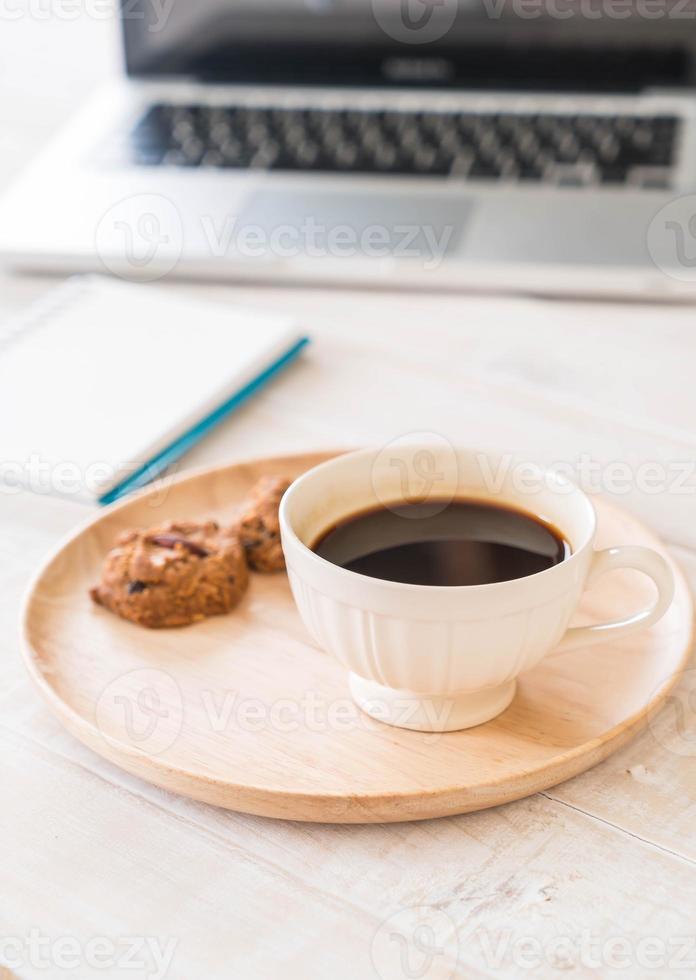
{"x":131,"y":859}
{"x":244,"y":712}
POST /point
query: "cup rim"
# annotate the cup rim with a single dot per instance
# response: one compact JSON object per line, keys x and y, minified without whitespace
{"x":349,"y":575}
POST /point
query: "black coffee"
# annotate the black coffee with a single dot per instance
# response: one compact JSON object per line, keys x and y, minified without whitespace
{"x":438,"y":543}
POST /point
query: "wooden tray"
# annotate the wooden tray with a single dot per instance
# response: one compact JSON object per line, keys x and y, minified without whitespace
{"x":244,"y":712}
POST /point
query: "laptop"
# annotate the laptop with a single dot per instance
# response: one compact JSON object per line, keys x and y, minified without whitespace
{"x":544,"y":146}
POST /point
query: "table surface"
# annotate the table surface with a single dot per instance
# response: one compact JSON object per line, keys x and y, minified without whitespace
{"x":595,"y":875}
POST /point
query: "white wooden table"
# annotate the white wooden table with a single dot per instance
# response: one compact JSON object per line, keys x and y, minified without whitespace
{"x":102,"y":875}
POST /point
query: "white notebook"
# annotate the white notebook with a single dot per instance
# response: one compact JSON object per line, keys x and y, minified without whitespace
{"x":103,"y":384}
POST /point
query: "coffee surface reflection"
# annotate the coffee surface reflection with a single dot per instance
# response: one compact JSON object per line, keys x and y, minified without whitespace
{"x":462,"y":542}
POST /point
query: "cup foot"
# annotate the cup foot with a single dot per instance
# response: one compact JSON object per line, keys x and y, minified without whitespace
{"x":432,"y":712}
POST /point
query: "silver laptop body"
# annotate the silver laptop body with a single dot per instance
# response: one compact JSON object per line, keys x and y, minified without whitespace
{"x":420,"y":145}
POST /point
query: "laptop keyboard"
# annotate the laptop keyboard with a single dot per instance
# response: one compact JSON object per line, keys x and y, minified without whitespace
{"x":581,"y":149}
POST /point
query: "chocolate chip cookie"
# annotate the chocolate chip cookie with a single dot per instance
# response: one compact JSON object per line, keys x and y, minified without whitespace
{"x":258,"y":526}
{"x":174,"y":574}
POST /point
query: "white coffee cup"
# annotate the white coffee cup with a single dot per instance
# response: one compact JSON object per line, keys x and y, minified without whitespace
{"x":442,"y":658}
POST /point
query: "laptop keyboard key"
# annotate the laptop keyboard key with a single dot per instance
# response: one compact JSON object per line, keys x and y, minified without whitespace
{"x":551,"y":147}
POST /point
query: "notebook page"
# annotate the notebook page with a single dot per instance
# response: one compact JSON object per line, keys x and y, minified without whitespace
{"x":118,"y":370}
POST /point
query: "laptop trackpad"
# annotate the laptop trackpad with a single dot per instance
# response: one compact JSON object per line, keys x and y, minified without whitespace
{"x":328,"y":224}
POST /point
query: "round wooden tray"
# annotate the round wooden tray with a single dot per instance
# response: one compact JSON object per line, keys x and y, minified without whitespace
{"x":244,"y":712}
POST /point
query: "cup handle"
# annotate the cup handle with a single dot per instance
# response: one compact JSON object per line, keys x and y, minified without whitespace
{"x":628,"y":556}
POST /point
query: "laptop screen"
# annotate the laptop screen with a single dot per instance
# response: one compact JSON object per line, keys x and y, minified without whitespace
{"x":615,"y":45}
